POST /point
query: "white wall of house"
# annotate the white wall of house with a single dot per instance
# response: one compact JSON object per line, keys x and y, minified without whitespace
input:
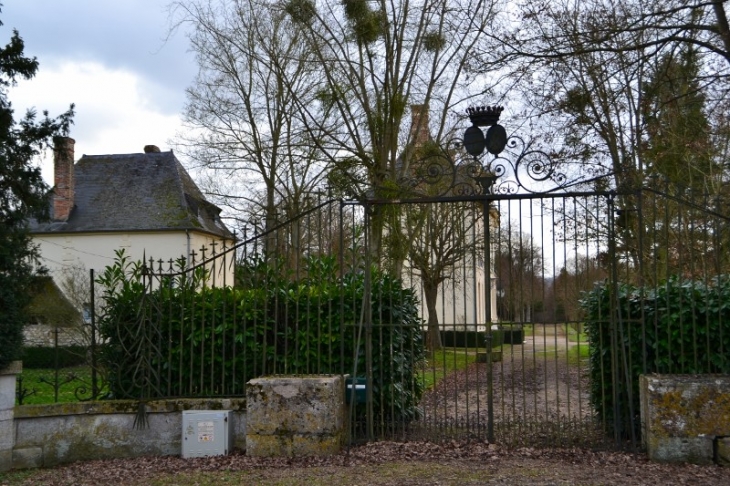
{"x":461,"y":301}
{"x":462,"y":298}
{"x":61,"y":252}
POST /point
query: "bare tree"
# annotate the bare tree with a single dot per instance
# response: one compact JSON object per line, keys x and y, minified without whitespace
{"x":654,"y":26}
{"x":578,"y":276}
{"x":617,"y":84}
{"x":443,"y":236}
{"x":627,"y":90}
{"x":241,"y":114}
{"x":520,"y":270}
{"x":377,"y":58}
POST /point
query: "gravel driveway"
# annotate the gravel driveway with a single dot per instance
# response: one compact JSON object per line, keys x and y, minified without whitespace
{"x":387,"y":463}
{"x":539,"y":395}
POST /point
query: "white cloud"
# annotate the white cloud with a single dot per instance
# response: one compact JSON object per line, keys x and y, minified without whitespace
{"x":114,"y":112}
{"x":131,"y":35}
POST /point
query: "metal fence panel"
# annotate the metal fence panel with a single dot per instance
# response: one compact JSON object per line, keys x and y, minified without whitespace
{"x":502,"y":348}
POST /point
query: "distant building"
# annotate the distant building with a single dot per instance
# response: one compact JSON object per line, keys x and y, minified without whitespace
{"x":462,"y":303}
{"x":145,"y":203}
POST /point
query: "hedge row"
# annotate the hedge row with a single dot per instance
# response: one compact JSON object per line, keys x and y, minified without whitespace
{"x":680,"y":327}
{"x":39,"y":357}
{"x":184,"y":340}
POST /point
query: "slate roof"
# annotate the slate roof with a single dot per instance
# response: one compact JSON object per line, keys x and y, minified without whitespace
{"x":136,"y":192}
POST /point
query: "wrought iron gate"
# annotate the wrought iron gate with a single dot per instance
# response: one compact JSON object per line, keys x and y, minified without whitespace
{"x":512,"y":317}
{"x":508,"y":358}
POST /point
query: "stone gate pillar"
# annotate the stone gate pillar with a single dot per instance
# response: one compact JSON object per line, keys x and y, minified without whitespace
{"x":295,"y":415}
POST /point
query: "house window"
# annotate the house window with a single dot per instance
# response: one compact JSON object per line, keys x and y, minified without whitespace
{"x":86,"y":311}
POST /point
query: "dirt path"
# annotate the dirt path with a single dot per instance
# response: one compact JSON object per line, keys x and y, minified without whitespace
{"x":535,"y":386}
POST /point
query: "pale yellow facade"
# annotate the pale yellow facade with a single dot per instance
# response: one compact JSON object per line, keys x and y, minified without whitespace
{"x":62,"y":253}
{"x":463,"y":303}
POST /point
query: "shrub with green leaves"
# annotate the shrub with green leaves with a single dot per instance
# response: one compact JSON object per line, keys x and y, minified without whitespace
{"x":39,"y":357}
{"x":173,"y":336}
{"x":679,"y":327}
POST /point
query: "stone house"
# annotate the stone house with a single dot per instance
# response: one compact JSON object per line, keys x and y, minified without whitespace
{"x":145,"y":203}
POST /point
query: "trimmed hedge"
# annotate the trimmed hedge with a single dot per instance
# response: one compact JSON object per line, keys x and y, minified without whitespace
{"x":184,"y":339}
{"x":39,"y":357}
{"x":470,"y":339}
{"x":679,"y":327}
{"x":513,"y":333}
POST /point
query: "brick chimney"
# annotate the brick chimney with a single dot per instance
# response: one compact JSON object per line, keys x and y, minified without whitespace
{"x":63,"y":175}
{"x":419,"y":125}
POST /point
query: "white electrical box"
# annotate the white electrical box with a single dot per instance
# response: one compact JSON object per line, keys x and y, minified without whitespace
{"x":206,"y":433}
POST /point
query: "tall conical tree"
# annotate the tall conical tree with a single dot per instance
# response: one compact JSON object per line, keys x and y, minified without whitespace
{"x":678,"y":144}
{"x":22,"y":195}
{"x":679,"y":148}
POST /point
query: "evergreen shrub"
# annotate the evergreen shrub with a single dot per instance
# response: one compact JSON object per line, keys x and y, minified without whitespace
{"x":40,"y":357}
{"x":185,"y":339}
{"x":679,"y":327}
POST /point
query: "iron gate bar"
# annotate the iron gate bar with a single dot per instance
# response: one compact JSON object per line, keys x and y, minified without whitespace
{"x":490,"y":197}
{"x":518,"y":405}
{"x":368,"y":324}
{"x":486,"y":223}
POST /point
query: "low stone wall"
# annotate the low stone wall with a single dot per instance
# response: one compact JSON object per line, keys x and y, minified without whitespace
{"x":686,"y":418}
{"x":46,"y":435}
{"x":45,"y":335}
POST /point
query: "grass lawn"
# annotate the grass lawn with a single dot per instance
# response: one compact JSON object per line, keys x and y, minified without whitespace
{"x":444,"y":362}
{"x":39,"y":384}
{"x":575,"y":332}
{"x":578,"y":354}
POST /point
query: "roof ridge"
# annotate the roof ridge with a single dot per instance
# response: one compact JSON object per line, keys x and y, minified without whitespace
{"x":137,"y":192}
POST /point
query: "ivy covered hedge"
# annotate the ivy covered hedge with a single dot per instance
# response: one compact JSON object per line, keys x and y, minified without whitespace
{"x":679,"y":327}
{"x":175,"y":337}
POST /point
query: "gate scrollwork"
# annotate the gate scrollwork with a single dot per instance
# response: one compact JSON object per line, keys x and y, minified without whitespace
{"x":520,"y":168}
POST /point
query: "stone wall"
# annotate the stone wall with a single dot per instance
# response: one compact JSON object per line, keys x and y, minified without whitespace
{"x":7,"y":403}
{"x":292,"y":416}
{"x":686,"y":418}
{"x":44,"y":335}
{"x":46,"y":435}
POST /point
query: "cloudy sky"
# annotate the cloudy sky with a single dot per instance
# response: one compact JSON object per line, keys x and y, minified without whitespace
{"x":112,"y":58}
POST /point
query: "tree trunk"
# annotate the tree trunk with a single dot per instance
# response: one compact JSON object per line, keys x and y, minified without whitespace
{"x":270,"y":239}
{"x":722,"y":27}
{"x":433,"y":335}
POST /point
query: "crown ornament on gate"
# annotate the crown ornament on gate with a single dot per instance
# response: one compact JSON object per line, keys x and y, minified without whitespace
{"x":515,"y":166}
{"x":484,"y":116}
{"x":475,"y":140}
